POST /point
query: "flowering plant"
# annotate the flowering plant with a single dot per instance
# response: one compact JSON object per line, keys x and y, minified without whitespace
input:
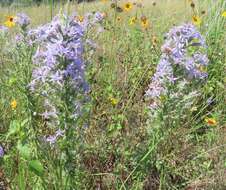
{"x":59,"y":73}
{"x":183,"y":60}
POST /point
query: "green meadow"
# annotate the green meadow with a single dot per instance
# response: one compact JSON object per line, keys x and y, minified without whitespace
{"x":111,"y":139}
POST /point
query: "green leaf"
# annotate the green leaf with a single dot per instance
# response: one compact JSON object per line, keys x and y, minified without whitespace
{"x":21,"y":178}
{"x":24,"y":150}
{"x":36,"y":167}
{"x":24,"y":122}
{"x":14,"y":127}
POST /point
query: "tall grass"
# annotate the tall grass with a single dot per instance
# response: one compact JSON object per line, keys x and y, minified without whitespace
{"x":122,"y":148}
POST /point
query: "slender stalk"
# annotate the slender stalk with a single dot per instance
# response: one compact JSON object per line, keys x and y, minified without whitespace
{"x":51,"y":8}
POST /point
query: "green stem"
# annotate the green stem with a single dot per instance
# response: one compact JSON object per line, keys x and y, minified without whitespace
{"x":51,"y":8}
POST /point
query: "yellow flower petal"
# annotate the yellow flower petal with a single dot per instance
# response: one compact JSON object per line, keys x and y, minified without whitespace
{"x":113,"y":101}
{"x":196,"y":20}
{"x":211,"y":121}
{"x":224,"y":14}
{"x":128,"y":6}
{"x":145,"y":23}
{"x":13,"y":104}
{"x":10,"y":22}
{"x":132,"y":20}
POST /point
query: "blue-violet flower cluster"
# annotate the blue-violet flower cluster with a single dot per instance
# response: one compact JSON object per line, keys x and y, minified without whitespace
{"x":59,"y":67}
{"x":183,"y":57}
{"x":22,"y":20}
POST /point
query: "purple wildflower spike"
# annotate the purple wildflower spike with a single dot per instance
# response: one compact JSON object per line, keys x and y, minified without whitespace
{"x":176,"y":55}
{"x":59,"y":68}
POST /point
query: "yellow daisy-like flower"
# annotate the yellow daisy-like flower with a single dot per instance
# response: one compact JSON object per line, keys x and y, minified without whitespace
{"x":13,"y":104}
{"x":128,"y":6}
{"x":113,"y":101}
{"x":132,"y":20}
{"x":154,"y":41}
{"x":10,"y":22}
{"x":224,"y":14}
{"x":211,"y":121}
{"x":145,"y":23}
{"x":104,"y":1}
{"x":196,"y":20}
{"x":79,"y":18}
{"x":118,"y":19}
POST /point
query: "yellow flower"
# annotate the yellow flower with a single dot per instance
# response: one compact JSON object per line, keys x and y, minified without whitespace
{"x":196,"y":20}
{"x":132,"y":20}
{"x":113,"y":101}
{"x":211,"y":121}
{"x":119,"y":19}
{"x":154,"y":41}
{"x":128,"y":6}
{"x":79,"y":18}
{"x":144,"y":23}
{"x":224,"y":14}
{"x":202,"y":68}
{"x":104,"y":1}
{"x":13,"y":104}
{"x":10,"y":21}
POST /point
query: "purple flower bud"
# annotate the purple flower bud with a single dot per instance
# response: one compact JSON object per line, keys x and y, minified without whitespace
{"x":23,"y":20}
{"x":98,"y":17}
{"x":3,"y":29}
{"x":53,"y":138}
{"x":1,"y":151}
